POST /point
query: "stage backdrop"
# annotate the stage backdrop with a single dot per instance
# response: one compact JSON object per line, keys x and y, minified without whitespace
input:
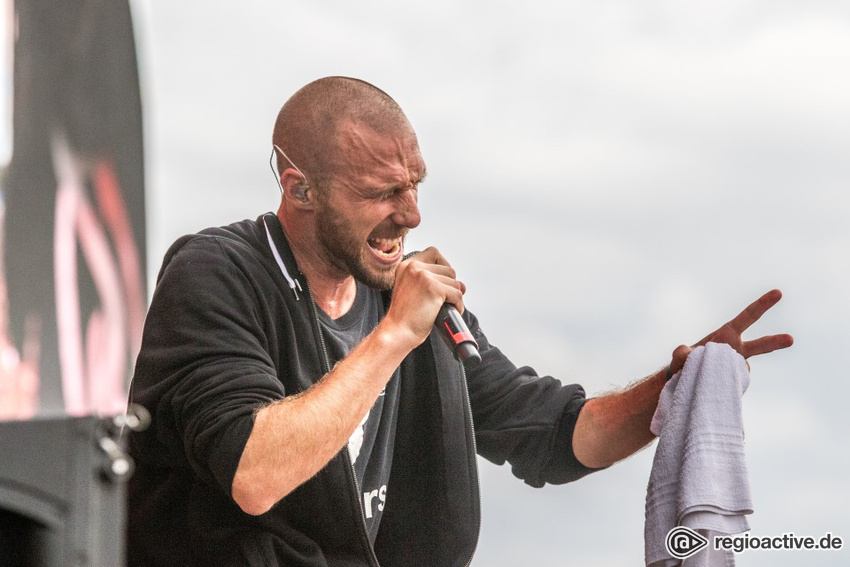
{"x":72,"y":295}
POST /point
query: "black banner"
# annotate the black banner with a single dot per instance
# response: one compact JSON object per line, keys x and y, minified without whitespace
{"x":72,"y":287}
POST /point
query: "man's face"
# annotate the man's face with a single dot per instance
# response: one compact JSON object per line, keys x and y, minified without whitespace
{"x":365,"y":211}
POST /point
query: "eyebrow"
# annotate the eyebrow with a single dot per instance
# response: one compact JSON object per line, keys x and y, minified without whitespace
{"x":416,"y":181}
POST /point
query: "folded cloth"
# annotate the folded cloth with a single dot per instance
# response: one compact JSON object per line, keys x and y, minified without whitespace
{"x":699,"y":475}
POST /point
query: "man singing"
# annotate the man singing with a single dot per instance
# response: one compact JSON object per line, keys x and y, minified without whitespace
{"x":305,"y":413}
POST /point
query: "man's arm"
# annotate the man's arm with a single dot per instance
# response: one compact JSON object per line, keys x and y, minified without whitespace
{"x":293,"y":438}
{"x":612,"y":427}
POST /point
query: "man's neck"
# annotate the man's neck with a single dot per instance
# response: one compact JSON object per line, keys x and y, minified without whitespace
{"x":333,"y":291}
{"x":333,"y":297}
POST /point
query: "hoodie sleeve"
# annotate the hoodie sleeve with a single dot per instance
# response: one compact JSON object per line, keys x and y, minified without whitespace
{"x":522,"y":418}
{"x":204,"y":368}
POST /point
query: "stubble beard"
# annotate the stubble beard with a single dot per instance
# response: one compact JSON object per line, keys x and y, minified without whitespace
{"x":345,"y":251}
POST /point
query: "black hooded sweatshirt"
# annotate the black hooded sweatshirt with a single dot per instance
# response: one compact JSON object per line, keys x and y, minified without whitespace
{"x":232,"y":327}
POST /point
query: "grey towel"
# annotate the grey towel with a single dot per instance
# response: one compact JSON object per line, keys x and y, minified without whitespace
{"x":699,"y":477}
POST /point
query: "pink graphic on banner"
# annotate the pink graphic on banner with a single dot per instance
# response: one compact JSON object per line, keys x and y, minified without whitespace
{"x":94,"y":366}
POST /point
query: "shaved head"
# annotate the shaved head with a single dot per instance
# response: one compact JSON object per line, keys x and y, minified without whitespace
{"x":308,"y":122}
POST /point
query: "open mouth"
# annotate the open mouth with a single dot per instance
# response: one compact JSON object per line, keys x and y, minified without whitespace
{"x":386,"y":249}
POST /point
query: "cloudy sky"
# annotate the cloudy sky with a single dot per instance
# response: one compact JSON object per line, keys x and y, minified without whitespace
{"x":611,"y":179}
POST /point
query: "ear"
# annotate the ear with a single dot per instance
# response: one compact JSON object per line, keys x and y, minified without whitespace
{"x":300,"y":193}
{"x":295,"y":189}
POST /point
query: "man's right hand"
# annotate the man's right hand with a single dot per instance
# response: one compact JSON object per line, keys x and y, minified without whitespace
{"x":423,"y":283}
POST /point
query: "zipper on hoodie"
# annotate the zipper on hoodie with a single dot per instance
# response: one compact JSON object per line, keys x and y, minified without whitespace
{"x":373,"y":559}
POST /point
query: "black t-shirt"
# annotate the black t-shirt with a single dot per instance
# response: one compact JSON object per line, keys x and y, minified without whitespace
{"x":371,"y":446}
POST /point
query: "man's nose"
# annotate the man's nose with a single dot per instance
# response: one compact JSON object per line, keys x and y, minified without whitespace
{"x":407,"y":209}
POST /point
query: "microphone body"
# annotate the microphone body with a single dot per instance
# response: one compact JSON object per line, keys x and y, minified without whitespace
{"x":457,"y":336}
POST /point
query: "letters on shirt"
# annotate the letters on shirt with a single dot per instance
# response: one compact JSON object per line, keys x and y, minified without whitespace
{"x":369,"y":498}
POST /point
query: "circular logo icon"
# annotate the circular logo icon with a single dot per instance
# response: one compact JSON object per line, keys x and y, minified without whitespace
{"x":683,"y":542}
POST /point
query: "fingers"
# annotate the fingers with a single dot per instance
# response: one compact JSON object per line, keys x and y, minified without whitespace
{"x":432,"y":272}
{"x":755,"y":310}
{"x":433,"y":261}
{"x":731,"y":332}
{"x":431,"y":256}
{"x":764,"y":345}
{"x":454,"y":295}
{"x":451,"y":282}
{"x":680,"y":355}
{"x":441,"y":280}
{"x":438,"y":269}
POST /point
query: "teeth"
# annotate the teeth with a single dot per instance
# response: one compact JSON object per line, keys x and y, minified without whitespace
{"x":386,"y":246}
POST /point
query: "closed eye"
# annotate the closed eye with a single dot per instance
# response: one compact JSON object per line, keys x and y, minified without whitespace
{"x":390,"y":193}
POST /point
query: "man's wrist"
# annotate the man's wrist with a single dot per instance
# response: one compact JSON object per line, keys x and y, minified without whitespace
{"x":394,"y":340}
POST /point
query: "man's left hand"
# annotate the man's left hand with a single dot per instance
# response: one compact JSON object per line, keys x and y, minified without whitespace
{"x":731,"y":332}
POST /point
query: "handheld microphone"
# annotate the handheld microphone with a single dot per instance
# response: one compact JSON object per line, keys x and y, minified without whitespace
{"x":457,"y":337}
{"x":455,"y":333}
